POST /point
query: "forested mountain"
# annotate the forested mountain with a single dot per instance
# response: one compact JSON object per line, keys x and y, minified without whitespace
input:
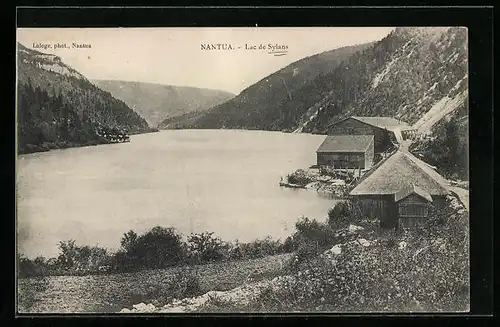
{"x":447,"y":147}
{"x":58,"y":107}
{"x":156,"y":102}
{"x":261,"y":105}
{"x":404,"y":75}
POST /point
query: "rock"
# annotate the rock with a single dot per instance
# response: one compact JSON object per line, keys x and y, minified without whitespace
{"x":363,"y":242}
{"x":139,"y":306}
{"x":402,"y":245}
{"x":354,"y":228}
{"x":335,"y":250}
{"x":144,"y":307}
{"x":125,"y":310}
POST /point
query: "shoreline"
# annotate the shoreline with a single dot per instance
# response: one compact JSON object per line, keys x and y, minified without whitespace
{"x":63,"y":145}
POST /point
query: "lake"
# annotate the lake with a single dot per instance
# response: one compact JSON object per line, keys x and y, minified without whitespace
{"x":223,"y":181}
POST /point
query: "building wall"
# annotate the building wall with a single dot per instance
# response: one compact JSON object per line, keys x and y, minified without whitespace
{"x":369,"y":155}
{"x":378,"y":207}
{"x":352,"y":126}
{"x":406,"y":219}
{"x":342,"y":159}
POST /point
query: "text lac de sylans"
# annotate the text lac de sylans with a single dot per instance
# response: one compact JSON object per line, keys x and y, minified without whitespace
{"x":269,"y":46}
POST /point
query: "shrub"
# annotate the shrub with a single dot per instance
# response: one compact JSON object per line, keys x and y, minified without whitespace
{"x":158,"y":248}
{"x":343,"y":214}
{"x":31,"y":268}
{"x":312,"y":231}
{"x":129,"y":241}
{"x":205,"y":247}
{"x":261,"y":247}
{"x":76,"y":259}
{"x":300,"y":177}
{"x":186,"y":283}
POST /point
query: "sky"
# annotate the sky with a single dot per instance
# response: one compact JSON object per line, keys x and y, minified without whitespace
{"x":175,"y":56}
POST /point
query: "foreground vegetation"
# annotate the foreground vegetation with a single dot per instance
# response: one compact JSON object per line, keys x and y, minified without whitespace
{"x":155,"y":249}
{"x":346,"y":263}
{"x":425,"y":269}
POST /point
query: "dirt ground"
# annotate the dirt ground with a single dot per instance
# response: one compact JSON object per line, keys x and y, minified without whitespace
{"x":111,"y":293}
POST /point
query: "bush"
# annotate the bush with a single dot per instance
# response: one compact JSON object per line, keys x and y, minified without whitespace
{"x":343,"y":214}
{"x":158,"y":248}
{"x":31,"y":268}
{"x":205,"y":247}
{"x":260,"y":248}
{"x":76,"y":259}
{"x":312,"y":231}
{"x":186,"y":283}
{"x":300,"y":177}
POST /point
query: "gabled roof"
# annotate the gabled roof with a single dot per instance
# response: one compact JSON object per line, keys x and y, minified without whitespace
{"x":401,"y":170}
{"x":381,"y":122}
{"x":411,"y":189}
{"x":345,"y":143}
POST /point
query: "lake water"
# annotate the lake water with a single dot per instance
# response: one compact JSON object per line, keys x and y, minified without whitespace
{"x":224,"y":181}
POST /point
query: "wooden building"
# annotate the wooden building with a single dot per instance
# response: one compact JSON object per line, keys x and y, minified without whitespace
{"x":400,"y":190}
{"x":382,"y":128}
{"x":413,"y":205}
{"x":346,"y":152}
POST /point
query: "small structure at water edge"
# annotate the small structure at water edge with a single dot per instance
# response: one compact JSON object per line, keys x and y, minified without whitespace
{"x":384,"y":129}
{"x":346,"y":152}
{"x":400,"y":191}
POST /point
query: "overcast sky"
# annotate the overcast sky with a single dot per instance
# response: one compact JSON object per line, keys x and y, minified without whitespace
{"x":174,"y":55}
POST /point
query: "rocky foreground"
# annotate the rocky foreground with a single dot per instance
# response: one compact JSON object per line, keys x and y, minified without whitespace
{"x":312,"y":179}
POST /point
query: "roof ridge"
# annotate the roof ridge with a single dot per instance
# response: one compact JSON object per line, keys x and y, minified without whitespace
{"x":417,"y":161}
{"x":373,"y":169}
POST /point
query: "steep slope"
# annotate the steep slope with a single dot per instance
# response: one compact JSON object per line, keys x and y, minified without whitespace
{"x":407,"y":74}
{"x":156,"y":102}
{"x":279,"y":100}
{"x":446,"y":145}
{"x":59,"y":107}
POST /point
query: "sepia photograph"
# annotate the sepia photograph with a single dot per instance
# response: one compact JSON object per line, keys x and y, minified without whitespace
{"x":242,"y":170}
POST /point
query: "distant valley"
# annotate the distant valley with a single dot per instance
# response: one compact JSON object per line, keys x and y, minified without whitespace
{"x":157,"y":102}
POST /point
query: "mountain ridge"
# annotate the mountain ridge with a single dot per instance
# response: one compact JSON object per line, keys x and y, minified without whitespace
{"x":156,"y":102}
{"x":404,"y":75}
{"x":259,"y":106}
{"x":58,"y":107}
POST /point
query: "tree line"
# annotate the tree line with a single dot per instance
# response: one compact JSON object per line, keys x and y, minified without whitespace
{"x":47,"y":118}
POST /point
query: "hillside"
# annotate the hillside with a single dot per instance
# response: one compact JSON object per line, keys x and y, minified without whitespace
{"x":261,"y":105}
{"x":58,"y":107}
{"x":410,"y":72}
{"x":407,"y":74}
{"x":156,"y":102}
{"x":447,"y":145}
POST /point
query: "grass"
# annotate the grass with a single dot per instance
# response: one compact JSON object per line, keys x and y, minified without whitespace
{"x":111,"y":293}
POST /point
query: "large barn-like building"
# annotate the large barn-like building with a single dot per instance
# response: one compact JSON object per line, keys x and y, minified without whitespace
{"x":400,"y":190}
{"x":346,"y":152}
{"x":382,"y":128}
